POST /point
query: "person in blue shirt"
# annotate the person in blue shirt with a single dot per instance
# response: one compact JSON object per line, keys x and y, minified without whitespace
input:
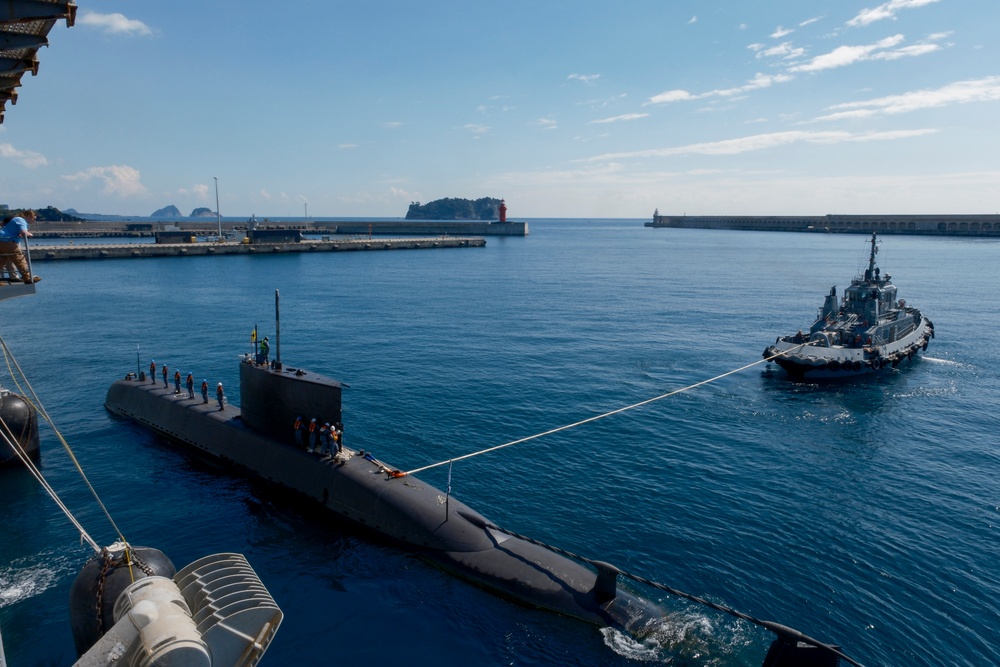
{"x":10,"y":244}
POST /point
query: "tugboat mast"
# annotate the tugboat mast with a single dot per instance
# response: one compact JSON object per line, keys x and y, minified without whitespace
{"x":871,"y":259}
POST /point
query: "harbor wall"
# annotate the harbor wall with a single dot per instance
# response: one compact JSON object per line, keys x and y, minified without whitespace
{"x":929,"y":224}
{"x":435,"y":227}
{"x":41,"y":253}
{"x":97,"y":228}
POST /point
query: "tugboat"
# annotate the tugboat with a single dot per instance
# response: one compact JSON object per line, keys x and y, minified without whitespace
{"x":867,"y":331}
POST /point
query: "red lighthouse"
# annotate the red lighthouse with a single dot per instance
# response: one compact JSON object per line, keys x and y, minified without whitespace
{"x":502,"y":211}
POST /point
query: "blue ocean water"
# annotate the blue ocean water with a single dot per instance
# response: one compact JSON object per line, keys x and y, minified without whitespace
{"x":863,"y":513}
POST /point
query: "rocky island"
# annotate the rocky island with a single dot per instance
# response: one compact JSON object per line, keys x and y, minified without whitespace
{"x":485,"y":208}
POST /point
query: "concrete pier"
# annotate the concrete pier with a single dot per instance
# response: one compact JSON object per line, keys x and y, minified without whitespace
{"x":42,"y":253}
{"x":926,"y":224}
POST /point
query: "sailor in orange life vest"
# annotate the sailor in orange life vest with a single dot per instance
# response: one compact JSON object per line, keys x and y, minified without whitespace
{"x":298,"y":431}
{"x":152,"y":371}
{"x":204,"y":391}
{"x":165,"y":385}
{"x":220,"y":395}
{"x":190,"y":385}
{"x":177,"y":382}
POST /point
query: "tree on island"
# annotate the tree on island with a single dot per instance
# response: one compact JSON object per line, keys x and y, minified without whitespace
{"x":484,"y":208}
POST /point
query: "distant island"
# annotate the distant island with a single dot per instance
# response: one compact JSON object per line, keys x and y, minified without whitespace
{"x":47,"y":214}
{"x":166,"y":212}
{"x":455,"y":209}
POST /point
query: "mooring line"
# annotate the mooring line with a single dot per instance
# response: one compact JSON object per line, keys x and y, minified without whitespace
{"x":7,"y":435}
{"x":601,"y":416}
{"x":36,"y":402}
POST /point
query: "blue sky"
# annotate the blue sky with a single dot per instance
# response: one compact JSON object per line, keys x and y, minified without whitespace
{"x":569,"y":109}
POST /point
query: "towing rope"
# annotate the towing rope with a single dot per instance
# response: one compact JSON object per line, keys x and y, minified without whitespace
{"x":786,"y":633}
{"x":601,"y":416}
{"x":36,"y":473}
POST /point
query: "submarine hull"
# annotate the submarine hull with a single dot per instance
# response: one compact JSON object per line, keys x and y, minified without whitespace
{"x":358,"y":489}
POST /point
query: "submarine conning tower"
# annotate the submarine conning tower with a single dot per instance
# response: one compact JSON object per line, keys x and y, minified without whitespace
{"x":272,"y":396}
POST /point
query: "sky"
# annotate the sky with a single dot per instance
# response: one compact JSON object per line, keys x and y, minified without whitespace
{"x":585,"y":109}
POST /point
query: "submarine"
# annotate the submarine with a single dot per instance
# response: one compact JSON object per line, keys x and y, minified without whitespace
{"x":257,"y":438}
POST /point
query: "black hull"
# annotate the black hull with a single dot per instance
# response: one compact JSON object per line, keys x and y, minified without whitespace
{"x":405,"y":510}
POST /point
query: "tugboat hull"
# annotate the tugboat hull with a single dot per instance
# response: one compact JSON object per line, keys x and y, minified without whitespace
{"x":841,"y":362}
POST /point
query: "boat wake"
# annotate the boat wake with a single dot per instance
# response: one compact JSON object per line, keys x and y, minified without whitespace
{"x":24,"y":578}
{"x":683,"y":639}
{"x":947,"y":362}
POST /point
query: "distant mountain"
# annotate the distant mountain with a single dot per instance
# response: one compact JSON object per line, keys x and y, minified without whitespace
{"x":167,"y":212}
{"x":202,"y":213}
{"x":455,"y":209}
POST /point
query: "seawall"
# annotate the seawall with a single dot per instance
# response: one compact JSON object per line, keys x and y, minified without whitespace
{"x":138,"y":251}
{"x":930,"y":224}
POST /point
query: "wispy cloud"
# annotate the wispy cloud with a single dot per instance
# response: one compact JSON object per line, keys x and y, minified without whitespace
{"x":29,"y":159}
{"x":884,"y":49}
{"x":781,"y":32}
{"x":617,"y":119}
{"x":346,"y":147}
{"x":115,"y":24}
{"x":546,"y":123}
{"x":785,"y":51}
{"x":759,"y":142}
{"x":476,"y":129}
{"x":588,"y":79}
{"x":120,"y":180}
{"x":392,"y":124}
{"x":759,"y":81}
{"x":960,"y":92}
{"x":694,"y":19}
{"x":887,"y":10}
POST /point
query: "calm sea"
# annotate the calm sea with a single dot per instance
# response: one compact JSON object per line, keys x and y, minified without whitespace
{"x":864,"y":514}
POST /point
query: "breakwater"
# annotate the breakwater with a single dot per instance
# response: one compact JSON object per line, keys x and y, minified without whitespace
{"x":929,"y":224}
{"x":142,"y":250}
{"x":146,"y":228}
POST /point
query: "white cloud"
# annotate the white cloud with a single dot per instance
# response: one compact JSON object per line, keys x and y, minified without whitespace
{"x":848,"y":55}
{"x":764,"y":141}
{"x":546,"y":123}
{"x":615,"y":119}
{"x":781,"y":32}
{"x":887,"y":10}
{"x":960,"y":92}
{"x":585,"y":78}
{"x":116,"y":24}
{"x":759,"y":81}
{"x":694,"y":19}
{"x":476,"y":129}
{"x":392,"y":124}
{"x":785,"y":50}
{"x":120,"y":180}
{"x":345,"y":147}
{"x":28,"y":159}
